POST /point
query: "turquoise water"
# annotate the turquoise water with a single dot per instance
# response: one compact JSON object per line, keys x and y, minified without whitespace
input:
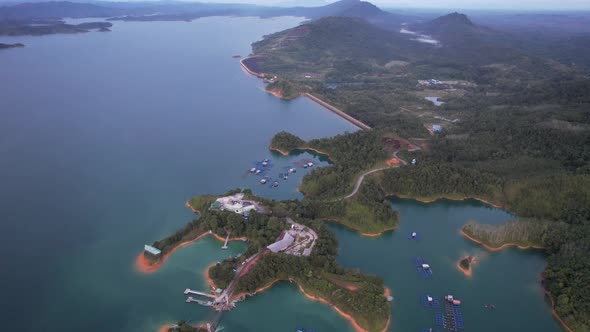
{"x":104,"y":136}
{"x":509,"y":279}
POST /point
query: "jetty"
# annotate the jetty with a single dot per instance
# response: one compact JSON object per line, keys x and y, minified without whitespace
{"x":226,"y":240}
{"x":194,"y":292}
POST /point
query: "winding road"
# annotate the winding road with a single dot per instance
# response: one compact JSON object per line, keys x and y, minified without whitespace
{"x":362,"y":177}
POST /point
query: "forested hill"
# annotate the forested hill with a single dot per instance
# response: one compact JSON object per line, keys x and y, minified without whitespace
{"x":354,"y":46}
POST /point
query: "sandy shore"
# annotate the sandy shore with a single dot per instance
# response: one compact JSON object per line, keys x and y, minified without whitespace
{"x":348,"y":317}
{"x":277,"y":94}
{"x":504,"y":246}
{"x":301,"y":149}
{"x":359,"y":231}
{"x":188,"y":205}
{"x":555,"y":314}
{"x":467,"y":272}
{"x":144,"y":266}
{"x":165,"y":328}
{"x":279,"y":151}
{"x":447,"y":198}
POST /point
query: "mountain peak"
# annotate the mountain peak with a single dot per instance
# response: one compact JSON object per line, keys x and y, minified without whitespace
{"x":454,"y":19}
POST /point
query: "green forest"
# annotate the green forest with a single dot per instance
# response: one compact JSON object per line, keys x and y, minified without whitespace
{"x":516,"y":133}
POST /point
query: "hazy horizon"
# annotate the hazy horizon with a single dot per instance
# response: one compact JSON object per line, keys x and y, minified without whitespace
{"x":506,"y":5}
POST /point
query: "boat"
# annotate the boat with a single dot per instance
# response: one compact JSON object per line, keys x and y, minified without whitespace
{"x":257,"y":171}
{"x":305,"y":166}
{"x":275,"y":184}
{"x":262,"y":181}
{"x":413,"y":235}
{"x":253,"y":169}
{"x":265,"y":163}
{"x":310,"y":164}
{"x":292,"y":170}
{"x":285,"y":177}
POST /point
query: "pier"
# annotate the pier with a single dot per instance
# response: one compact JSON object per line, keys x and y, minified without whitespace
{"x":226,"y":240}
{"x":190,"y":291}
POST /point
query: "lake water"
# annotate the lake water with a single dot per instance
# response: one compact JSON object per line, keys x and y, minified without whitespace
{"x":104,"y":136}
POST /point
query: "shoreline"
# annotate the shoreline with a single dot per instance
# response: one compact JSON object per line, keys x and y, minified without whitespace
{"x":504,"y":246}
{"x":359,"y":124}
{"x":467,"y":272}
{"x":286,"y":154}
{"x":143,"y":265}
{"x":555,"y":314}
{"x":385,"y":230}
{"x":188,"y":205}
{"x":433,"y":200}
{"x":248,"y":70}
{"x":346,"y":316}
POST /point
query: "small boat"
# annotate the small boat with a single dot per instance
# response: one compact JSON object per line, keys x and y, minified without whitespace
{"x":310,"y":164}
{"x":292,"y":170}
{"x":265,"y":163}
{"x":285,"y":177}
{"x":262,"y":181}
{"x":275,"y":184}
{"x":257,"y":171}
{"x":414,"y":235}
{"x":253,"y":169}
{"x":305,"y":166}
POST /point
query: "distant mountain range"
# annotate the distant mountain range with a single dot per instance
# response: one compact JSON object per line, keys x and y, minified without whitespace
{"x":167,"y":11}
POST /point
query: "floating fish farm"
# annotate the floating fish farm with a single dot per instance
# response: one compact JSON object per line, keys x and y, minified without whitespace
{"x":433,"y":303}
{"x":423,"y":269}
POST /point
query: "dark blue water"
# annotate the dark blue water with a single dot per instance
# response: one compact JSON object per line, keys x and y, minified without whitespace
{"x":103,"y":137}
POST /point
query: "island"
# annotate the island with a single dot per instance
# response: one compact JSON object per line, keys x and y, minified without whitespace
{"x":284,"y":244}
{"x":6,"y":46}
{"x":465,"y":263}
{"x":50,"y":27}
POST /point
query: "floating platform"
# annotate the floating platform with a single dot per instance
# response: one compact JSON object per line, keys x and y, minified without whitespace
{"x":424,"y":301}
{"x":451,"y":319}
{"x":425,"y":273}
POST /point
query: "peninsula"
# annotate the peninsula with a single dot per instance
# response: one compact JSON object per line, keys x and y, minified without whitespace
{"x":284,"y":243}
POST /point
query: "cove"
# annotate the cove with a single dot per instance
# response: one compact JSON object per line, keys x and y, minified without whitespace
{"x":509,"y":279}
